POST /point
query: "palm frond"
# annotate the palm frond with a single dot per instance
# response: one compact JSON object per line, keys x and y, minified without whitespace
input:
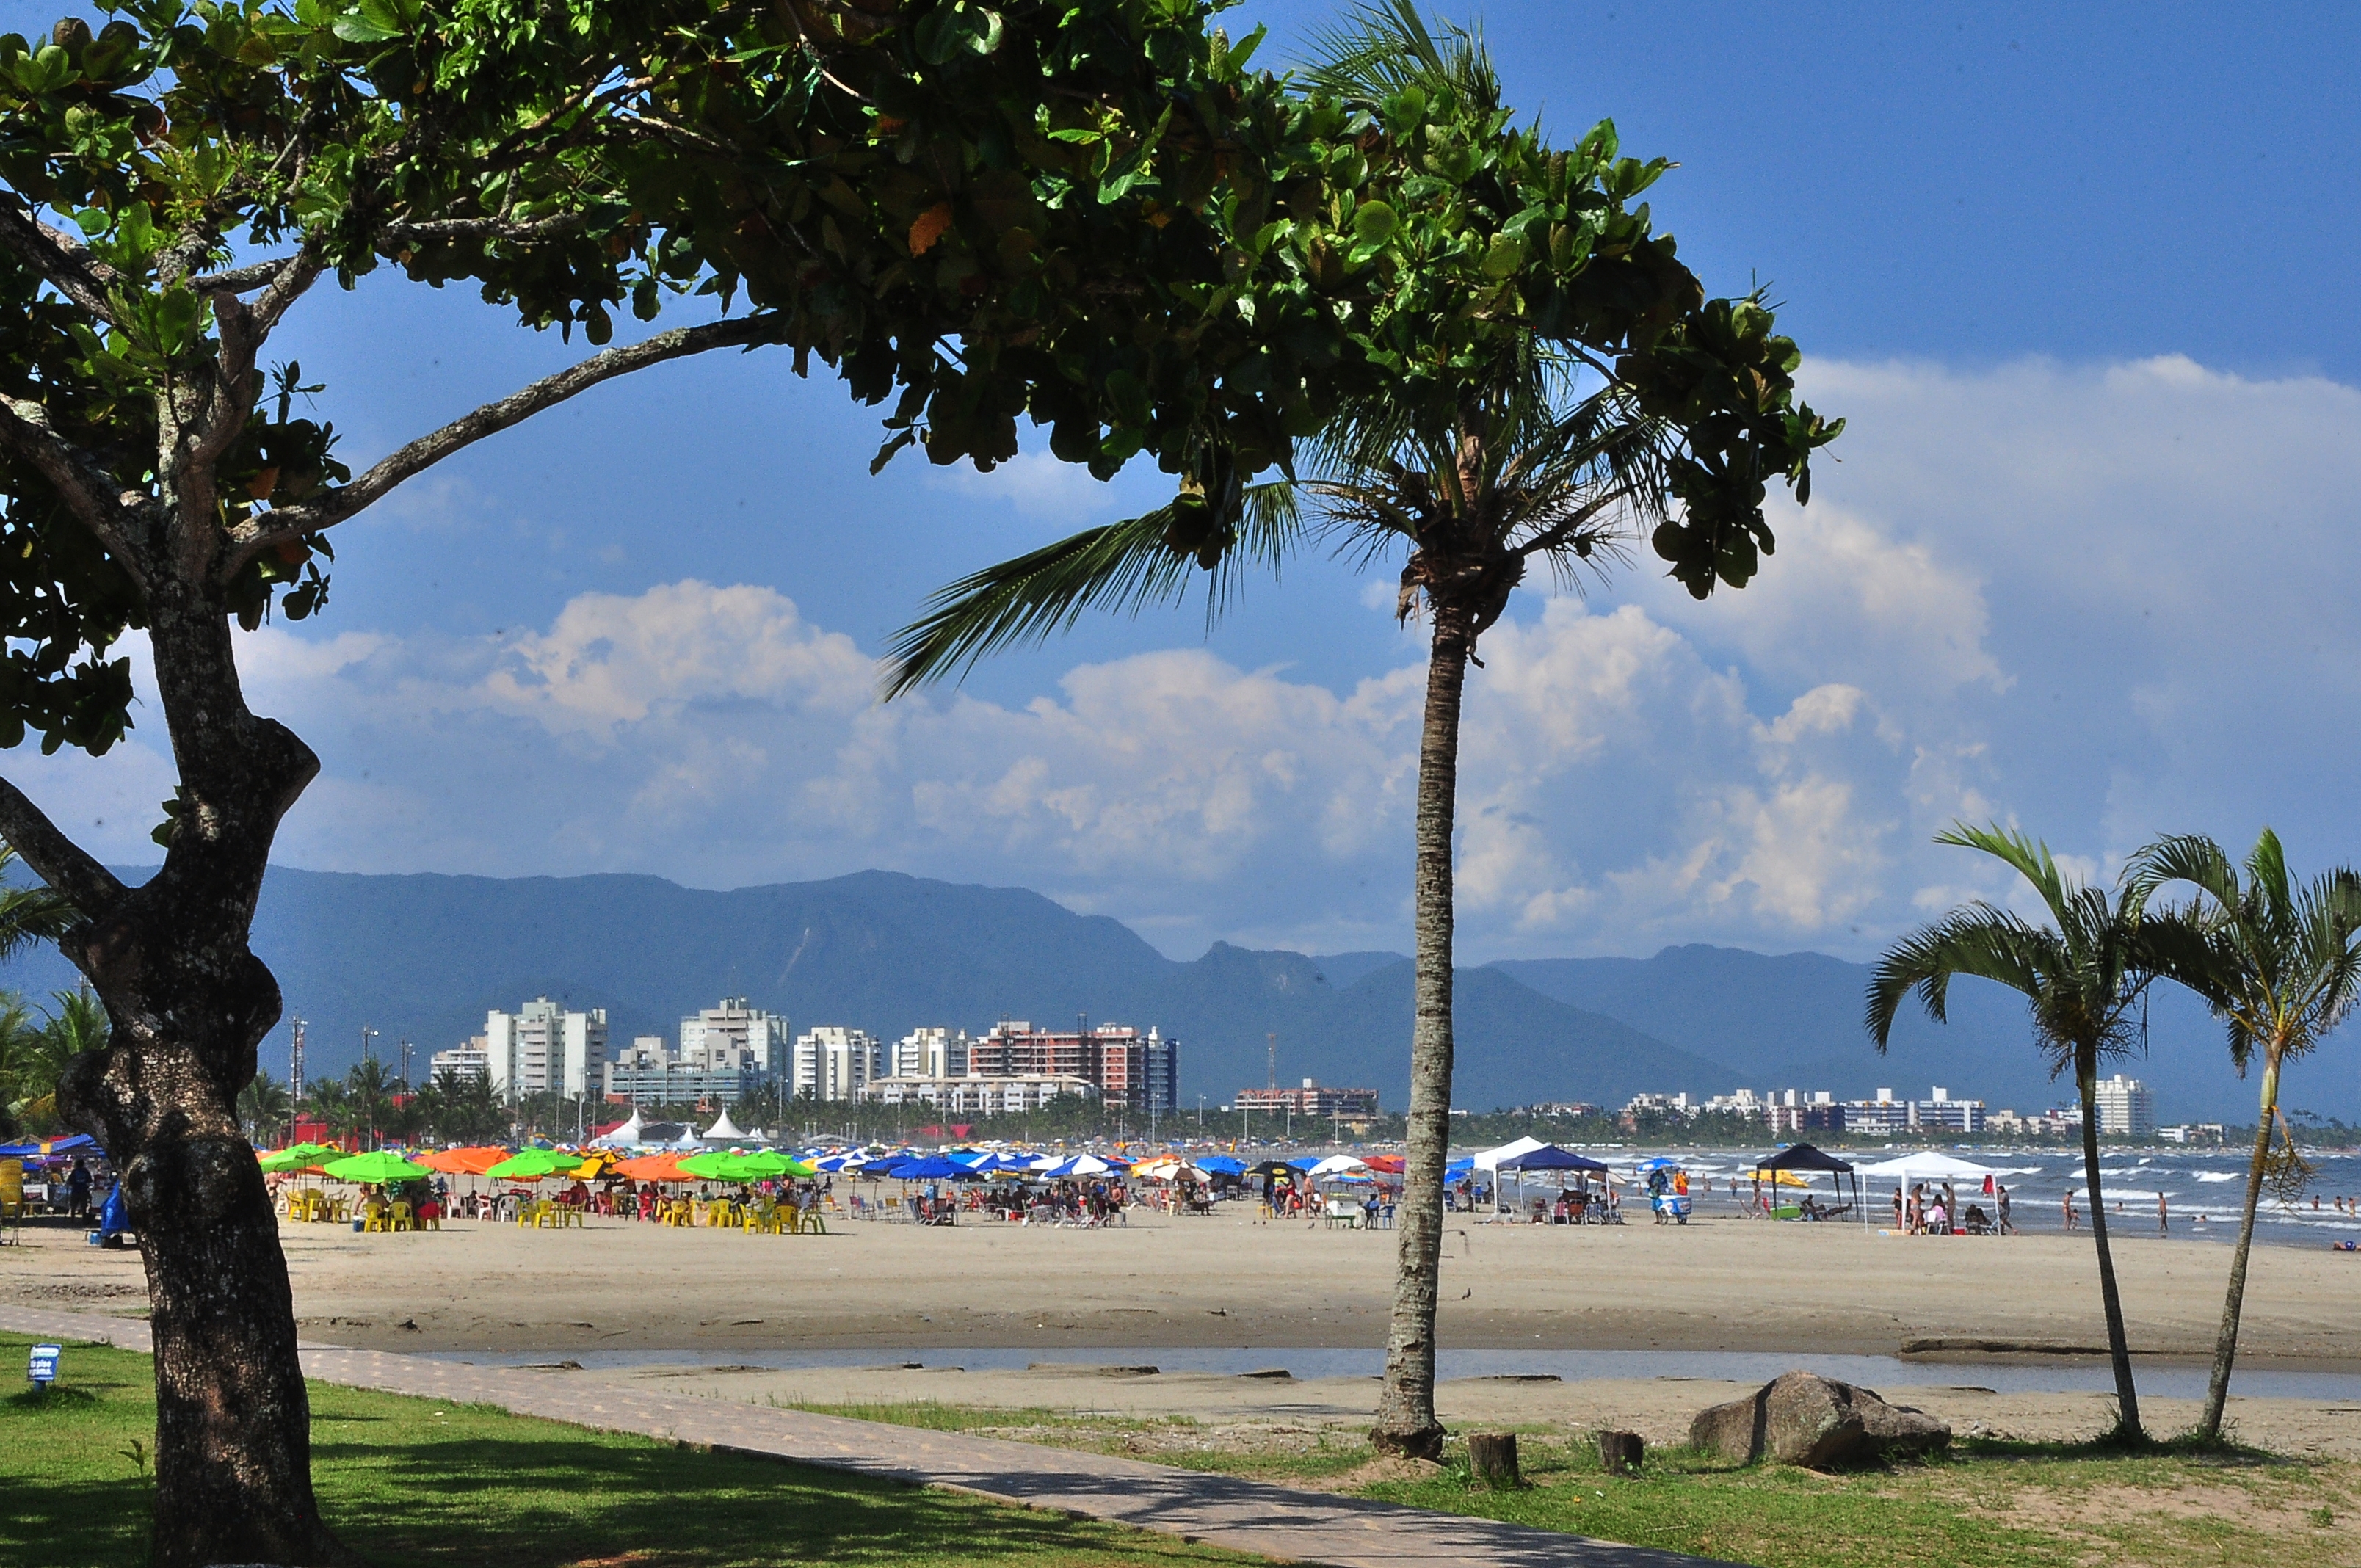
{"x":1123,"y":566}
{"x":2030,"y":858}
{"x":29,"y":915}
{"x":1380,"y":46}
{"x":2183,"y":857}
{"x":1975,"y":939}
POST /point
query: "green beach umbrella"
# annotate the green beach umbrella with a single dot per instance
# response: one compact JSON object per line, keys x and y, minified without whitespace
{"x":296,"y":1157}
{"x":728,"y":1165}
{"x":532,"y":1165}
{"x":380,"y":1167}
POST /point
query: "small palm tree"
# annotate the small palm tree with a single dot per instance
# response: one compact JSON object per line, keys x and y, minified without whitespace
{"x":76,"y":1026}
{"x":29,"y":915}
{"x":2079,"y":978}
{"x":2280,"y":963}
{"x":264,"y":1107}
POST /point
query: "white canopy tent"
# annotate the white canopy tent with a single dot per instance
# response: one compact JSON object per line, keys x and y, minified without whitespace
{"x":1927,"y":1166}
{"x":724,"y":1130}
{"x":622,"y":1137}
{"x":1490,"y":1160}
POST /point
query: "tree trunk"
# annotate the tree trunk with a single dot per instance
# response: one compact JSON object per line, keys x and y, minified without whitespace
{"x":1492,"y":1460}
{"x":1406,"y":1423}
{"x":188,"y":1004}
{"x":2119,"y":1349}
{"x":2225,"y":1345}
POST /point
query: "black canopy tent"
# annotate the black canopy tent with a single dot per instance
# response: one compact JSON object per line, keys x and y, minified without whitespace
{"x":1807,"y":1156}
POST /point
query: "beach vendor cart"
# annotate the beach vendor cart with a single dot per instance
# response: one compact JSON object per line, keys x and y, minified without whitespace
{"x":1667,"y":1181}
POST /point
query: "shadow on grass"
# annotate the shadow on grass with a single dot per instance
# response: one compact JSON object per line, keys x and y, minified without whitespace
{"x":536,"y":1504}
{"x":2119,"y":1444}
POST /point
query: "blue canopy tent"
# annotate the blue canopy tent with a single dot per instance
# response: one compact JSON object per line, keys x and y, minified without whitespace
{"x":54,"y":1148}
{"x":1221,"y":1165}
{"x":1549,"y":1157}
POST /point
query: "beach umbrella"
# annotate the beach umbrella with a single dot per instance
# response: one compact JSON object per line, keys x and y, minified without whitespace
{"x":1391,"y":1164}
{"x":465,"y":1161}
{"x":1080,"y":1165}
{"x":652,"y":1167}
{"x":1337,"y":1164}
{"x":297,"y":1157}
{"x":1221,"y":1165}
{"x":533,"y":1165}
{"x":596,"y":1164}
{"x":934,"y":1168}
{"x":380,"y":1167}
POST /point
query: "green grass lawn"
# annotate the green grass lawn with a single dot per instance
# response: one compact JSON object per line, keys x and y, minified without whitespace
{"x":416,"y":1484}
{"x":1988,"y":1505}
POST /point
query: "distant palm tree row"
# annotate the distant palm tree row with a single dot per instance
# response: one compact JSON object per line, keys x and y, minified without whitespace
{"x":376,"y":1108}
{"x":2277,"y":960}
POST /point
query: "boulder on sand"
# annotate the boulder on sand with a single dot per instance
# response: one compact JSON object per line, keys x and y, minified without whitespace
{"x":1801,"y":1418}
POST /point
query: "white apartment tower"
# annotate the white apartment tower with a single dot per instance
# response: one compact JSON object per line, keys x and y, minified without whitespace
{"x":833,"y":1062}
{"x":2126,"y":1108}
{"x":931,"y":1053}
{"x":733,"y":1037}
{"x":543,"y":1047}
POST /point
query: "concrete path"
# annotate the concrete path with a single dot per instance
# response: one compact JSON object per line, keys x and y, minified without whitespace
{"x":1220,"y":1510}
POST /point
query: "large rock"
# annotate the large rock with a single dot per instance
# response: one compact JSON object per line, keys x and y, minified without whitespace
{"x":1803,"y":1418}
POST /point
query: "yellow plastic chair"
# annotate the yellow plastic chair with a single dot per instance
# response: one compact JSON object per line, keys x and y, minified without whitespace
{"x":377,"y":1217}
{"x":403,"y":1220}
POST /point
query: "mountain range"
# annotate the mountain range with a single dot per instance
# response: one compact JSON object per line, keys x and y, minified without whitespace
{"x":422,"y":958}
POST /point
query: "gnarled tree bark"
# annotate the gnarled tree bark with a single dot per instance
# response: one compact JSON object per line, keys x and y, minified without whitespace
{"x":188,"y":1003}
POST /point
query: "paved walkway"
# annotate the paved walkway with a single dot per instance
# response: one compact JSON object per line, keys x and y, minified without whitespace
{"x":1220,"y":1510}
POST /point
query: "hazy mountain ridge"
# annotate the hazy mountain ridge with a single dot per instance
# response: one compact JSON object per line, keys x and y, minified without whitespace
{"x":423,"y":956}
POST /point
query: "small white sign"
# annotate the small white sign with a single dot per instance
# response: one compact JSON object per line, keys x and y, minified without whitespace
{"x":44,"y":1366}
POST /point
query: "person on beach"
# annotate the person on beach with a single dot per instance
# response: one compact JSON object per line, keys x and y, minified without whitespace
{"x":1897,"y":1206}
{"x":1950,"y":1207}
{"x":2163,"y":1219}
{"x":2000,"y":1199}
{"x":2069,"y":1201}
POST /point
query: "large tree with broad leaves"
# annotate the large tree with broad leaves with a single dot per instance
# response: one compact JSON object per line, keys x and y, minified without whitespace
{"x":1091,"y":215}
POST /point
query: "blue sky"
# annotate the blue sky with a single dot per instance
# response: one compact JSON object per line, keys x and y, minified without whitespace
{"x":2080,"y":279}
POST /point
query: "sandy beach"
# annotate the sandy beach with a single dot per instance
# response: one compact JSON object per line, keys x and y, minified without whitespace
{"x":1715,"y":1285}
{"x":1718,"y":1284}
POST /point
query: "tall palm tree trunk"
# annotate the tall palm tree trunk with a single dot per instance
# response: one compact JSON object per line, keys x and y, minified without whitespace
{"x":1406,"y":1423}
{"x":2119,"y":1349}
{"x":2225,"y":1345}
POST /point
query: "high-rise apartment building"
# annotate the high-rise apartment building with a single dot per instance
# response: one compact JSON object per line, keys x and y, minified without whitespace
{"x":833,"y":1062}
{"x":469,"y":1058}
{"x":2126,"y":1108}
{"x":543,"y":1046}
{"x":1131,"y":1071}
{"x":931,"y":1053}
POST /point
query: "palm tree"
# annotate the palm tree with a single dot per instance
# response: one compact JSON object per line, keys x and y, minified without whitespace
{"x":1476,"y":465}
{"x":263,"y":1106}
{"x":2081,"y":979}
{"x":21,"y":1064}
{"x":29,"y":915}
{"x":77,"y":1026}
{"x":2281,"y":964}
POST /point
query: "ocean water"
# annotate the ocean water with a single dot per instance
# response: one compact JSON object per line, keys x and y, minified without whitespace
{"x":2202,"y":1190}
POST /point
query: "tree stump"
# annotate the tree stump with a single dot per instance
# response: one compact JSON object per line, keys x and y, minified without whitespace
{"x":1492,"y":1459}
{"x":1620,"y":1452}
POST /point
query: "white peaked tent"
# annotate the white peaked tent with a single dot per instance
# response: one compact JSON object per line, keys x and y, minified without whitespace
{"x":1927,"y":1166}
{"x":1490,"y":1160}
{"x":725,"y":1131}
{"x":622,"y":1137}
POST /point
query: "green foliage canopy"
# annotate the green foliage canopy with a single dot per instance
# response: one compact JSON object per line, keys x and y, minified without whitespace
{"x":1087,"y":214}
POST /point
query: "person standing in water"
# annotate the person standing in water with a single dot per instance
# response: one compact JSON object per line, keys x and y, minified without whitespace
{"x":2067,"y":1201}
{"x":2163,"y":1219}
